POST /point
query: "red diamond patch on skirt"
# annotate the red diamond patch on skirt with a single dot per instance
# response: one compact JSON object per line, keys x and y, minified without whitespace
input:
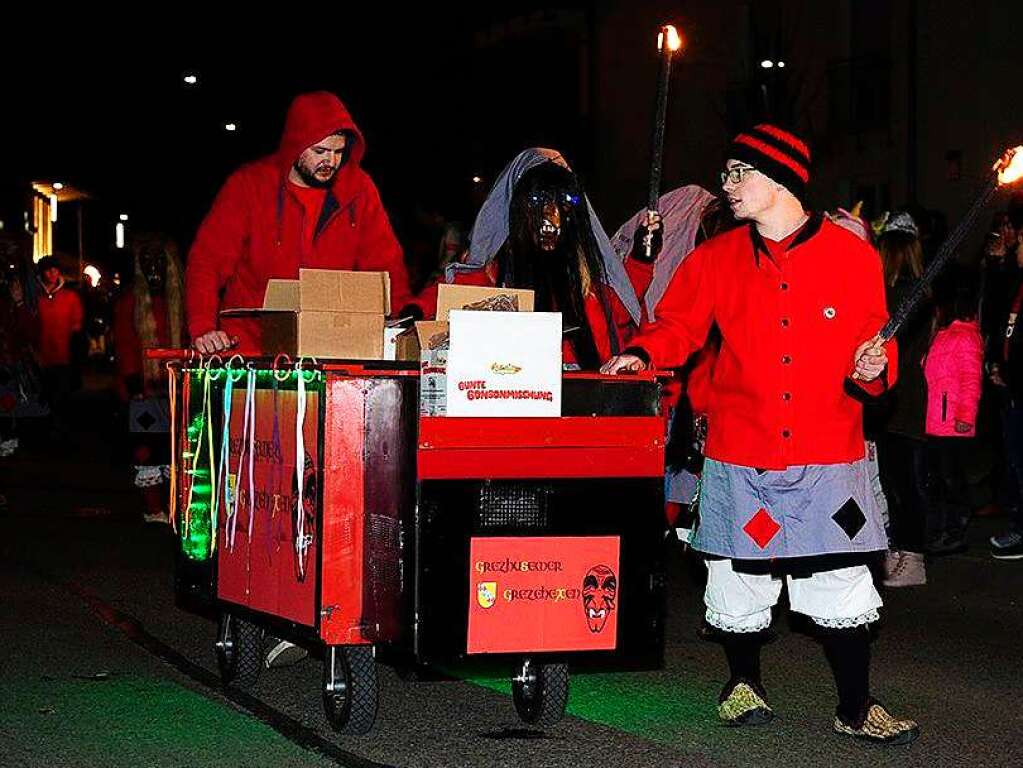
{"x":762,"y":528}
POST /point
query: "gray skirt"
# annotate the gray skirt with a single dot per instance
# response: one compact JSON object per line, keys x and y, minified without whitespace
{"x":802,"y":511}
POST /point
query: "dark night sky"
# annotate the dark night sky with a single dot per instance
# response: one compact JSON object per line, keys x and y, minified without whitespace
{"x":117,"y":120}
{"x":107,"y":111}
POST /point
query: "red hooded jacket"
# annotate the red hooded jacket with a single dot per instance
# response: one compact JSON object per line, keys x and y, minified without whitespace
{"x":254,"y":231}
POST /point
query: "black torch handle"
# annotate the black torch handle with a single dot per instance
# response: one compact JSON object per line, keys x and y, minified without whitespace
{"x":657,"y":142}
{"x":945,"y":254}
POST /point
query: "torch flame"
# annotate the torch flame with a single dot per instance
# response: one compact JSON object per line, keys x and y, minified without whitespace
{"x":674,"y":40}
{"x":1010,"y":166}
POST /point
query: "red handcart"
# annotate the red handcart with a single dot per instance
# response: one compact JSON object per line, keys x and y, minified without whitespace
{"x":315,"y":503}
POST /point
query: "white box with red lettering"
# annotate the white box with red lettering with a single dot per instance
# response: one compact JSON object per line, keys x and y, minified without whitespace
{"x":504,"y":364}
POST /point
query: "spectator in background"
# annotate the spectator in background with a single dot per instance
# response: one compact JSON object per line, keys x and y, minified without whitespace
{"x":1000,"y":278}
{"x":150,"y":314}
{"x":999,"y":281}
{"x":899,"y":421}
{"x":1008,"y":375}
{"x":16,"y":331}
{"x":60,"y":319}
{"x":953,"y":370}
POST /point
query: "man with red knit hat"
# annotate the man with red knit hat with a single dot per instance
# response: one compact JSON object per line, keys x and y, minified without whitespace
{"x":786,"y":496}
{"x":308,"y":205}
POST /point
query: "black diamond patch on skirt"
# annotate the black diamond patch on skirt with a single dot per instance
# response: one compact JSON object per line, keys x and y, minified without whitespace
{"x":850,"y":518}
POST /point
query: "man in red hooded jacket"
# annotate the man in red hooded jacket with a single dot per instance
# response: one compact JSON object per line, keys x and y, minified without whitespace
{"x":308,"y":205}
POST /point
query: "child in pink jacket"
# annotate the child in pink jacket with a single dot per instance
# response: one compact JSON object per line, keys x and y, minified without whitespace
{"x":953,"y":369}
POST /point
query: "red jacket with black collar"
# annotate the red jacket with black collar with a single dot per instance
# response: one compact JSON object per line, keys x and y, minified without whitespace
{"x":780,"y":394}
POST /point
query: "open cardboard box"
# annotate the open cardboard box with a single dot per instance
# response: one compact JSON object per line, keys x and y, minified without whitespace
{"x":326,"y":313}
{"x":431,"y":334}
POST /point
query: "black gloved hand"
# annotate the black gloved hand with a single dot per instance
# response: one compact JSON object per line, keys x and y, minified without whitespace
{"x":639,"y":245}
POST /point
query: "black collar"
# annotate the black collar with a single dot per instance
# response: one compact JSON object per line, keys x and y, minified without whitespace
{"x":808,"y":230}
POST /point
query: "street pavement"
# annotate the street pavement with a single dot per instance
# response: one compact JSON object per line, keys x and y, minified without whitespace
{"x":98,"y":667}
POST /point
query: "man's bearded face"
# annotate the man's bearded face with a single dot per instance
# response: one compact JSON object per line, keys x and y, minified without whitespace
{"x":600,"y":589}
{"x":318,"y":164}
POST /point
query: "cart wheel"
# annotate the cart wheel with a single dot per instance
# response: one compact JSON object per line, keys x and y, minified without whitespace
{"x":239,"y":649}
{"x":350,"y":688}
{"x":540,"y":693}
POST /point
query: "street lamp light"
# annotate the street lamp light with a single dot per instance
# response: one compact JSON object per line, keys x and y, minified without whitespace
{"x":190,"y":79}
{"x":92,"y":272}
{"x":230,"y":127}
{"x":1006,"y":171}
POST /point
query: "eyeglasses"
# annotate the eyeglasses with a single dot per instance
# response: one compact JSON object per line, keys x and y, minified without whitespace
{"x":735,"y":174}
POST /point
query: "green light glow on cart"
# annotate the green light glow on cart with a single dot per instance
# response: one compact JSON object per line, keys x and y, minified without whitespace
{"x":262,"y":374}
{"x":196,"y":536}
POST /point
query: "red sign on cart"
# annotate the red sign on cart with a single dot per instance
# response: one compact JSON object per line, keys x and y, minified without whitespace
{"x":551,"y":593}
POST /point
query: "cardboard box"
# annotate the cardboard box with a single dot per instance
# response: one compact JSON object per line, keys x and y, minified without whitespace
{"x":409,"y":345}
{"x":427,"y":340}
{"x":482,"y":299}
{"x":326,"y":313}
{"x":504,"y":364}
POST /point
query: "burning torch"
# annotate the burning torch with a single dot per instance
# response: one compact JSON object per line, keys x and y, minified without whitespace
{"x":668,"y":42}
{"x":1008,"y":170}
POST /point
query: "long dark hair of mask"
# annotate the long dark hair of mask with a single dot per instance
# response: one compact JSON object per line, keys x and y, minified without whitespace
{"x":551,"y":249}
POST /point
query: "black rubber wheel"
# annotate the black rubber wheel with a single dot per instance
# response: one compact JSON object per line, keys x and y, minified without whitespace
{"x":540,"y":693}
{"x":239,"y":650}
{"x":350,"y":696}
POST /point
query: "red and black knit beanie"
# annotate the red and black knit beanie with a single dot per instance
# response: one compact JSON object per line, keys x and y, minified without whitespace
{"x":778,"y":154}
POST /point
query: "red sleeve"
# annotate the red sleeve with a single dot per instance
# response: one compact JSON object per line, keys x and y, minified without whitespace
{"x":215,"y":254}
{"x":970,"y":355}
{"x":698,"y":385}
{"x":876,"y":311}
{"x":621,"y":317}
{"x":684,"y":314}
{"x":379,"y":250}
{"x":474,"y":277}
{"x":640,"y":275}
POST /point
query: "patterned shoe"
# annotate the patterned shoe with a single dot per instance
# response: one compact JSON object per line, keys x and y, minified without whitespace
{"x":879,"y":727}
{"x":744,"y":706}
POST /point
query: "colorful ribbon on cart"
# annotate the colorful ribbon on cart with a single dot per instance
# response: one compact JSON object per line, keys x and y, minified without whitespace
{"x":205,"y":430}
{"x":172,"y":396}
{"x":247,"y":452}
{"x":302,"y":542}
